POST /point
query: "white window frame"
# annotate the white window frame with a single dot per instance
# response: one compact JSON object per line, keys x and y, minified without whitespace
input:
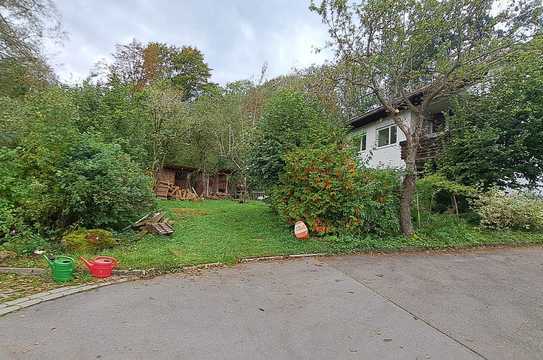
{"x":363,"y":136}
{"x":389,"y":135}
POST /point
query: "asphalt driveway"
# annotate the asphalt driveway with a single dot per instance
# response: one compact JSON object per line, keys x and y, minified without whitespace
{"x":475,"y":305}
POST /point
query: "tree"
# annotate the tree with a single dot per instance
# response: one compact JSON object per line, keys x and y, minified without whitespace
{"x":290,"y":120}
{"x":496,"y":129}
{"x":18,"y":78}
{"x":142,"y":65}
{"x":436,"y":47}
{"x":166,"y":111}
{"x":189,"y":73}
{"x":116,"y":114}
{"x":24,"y":24}
{"x":127,"y":66}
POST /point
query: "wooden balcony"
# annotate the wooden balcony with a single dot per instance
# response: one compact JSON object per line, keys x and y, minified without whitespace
{"x":429,"y":147}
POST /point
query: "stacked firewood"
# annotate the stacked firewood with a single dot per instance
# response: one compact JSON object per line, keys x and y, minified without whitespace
{"x":218,"y":196}
{"x":165,"y":190}
{"x":155,"y":223}
{"x":183,"y":194}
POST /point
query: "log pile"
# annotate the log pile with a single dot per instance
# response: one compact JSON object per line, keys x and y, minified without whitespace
{"x":218,"y":196}
{"x":155,"y":223}
{"x":165,"y":190}
{"x":162,"y":189}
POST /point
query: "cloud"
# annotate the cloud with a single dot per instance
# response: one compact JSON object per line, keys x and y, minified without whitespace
{"x":236,"y":36}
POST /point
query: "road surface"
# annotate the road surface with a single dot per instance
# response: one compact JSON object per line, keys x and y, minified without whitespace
{"x":473,"y":305}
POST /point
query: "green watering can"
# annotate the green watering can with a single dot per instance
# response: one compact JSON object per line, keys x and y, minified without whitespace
{"x":62,"y":267}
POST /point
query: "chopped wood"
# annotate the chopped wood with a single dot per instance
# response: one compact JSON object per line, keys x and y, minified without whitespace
{"x":160,"y":228}
{"x":155,"y":223}
{"x":166,"y":190}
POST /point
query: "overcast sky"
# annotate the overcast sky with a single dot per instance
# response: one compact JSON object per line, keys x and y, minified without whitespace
{"x":236,"y":36}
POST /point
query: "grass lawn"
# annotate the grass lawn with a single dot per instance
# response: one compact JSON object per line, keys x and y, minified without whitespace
{"x":214,"y":231}
{"x":226,"y":231}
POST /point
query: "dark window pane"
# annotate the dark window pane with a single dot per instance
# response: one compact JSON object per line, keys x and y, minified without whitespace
{"x":382,"y":137}
{"x":363,"y":142}
{"x":393,"y":135}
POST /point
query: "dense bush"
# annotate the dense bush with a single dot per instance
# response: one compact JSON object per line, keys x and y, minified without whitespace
{"x":499,"y":210}
{"x":323,"y":187}
{"x":100,"y":186}
{"x":24,"y":242}
{"x":92,"y":185}
{"x":54,"y":177}
{"x":436,"y":193}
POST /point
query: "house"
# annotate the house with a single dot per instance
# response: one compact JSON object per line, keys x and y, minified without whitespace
{"x":382,"y":143}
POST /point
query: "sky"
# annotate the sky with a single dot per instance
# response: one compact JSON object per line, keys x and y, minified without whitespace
{"x":236,"y":36}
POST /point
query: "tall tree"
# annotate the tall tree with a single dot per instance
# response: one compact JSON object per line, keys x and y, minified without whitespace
{"x":398,"y":47}
{"x":127,"y":66}
{"x":24,"y":24}
{"x":496,"y":129}
{"x":166,"y":111}
{"x":142,"y":65}
{"x":189,"y":72}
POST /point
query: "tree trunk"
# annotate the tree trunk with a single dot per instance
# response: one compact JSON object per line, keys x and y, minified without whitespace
{"x":408,"y":188}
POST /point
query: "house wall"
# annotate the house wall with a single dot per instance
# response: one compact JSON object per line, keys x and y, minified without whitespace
{"x":388,"y":156}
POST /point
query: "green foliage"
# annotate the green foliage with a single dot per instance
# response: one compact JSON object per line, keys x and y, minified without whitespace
{"x":116,"y":114}
{"x":433,"y":188}
{"x":53,"y":176}
{"x":138,"y":66}
{"x":24,"y":242}
{"x":17,"y":79}
{"x":324,"y":188}
{"x":12,"y":191}
{"x":499,"y":210}
{"x":289,"y":120}
{"x":88,"y":240}
{"x":100,"y":186}
{"x":496,"y":131}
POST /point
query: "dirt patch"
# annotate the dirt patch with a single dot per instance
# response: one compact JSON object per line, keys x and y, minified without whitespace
{"x":13,"y":286}
{"x":187,"y":212}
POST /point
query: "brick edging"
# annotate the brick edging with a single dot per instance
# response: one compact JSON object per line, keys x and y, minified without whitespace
{"x":26,"y":301}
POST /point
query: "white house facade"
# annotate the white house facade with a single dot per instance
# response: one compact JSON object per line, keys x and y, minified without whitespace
{"x":380,"y":142}
{"x":381,"y":139}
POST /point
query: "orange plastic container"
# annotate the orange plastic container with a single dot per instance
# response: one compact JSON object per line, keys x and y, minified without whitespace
{"x":300,"y":230}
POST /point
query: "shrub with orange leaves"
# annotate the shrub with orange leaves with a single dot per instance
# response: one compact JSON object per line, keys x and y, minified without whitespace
{"x":323,"y":187}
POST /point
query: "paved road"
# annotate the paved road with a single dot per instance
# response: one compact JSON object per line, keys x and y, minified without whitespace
{"x":478,"y":305}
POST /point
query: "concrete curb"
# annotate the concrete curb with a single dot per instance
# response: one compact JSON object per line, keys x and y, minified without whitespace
{"x":133,"y":274}
{"x":154,"y":272}
{"x":26,"y":301}
{"x":280,"y":257}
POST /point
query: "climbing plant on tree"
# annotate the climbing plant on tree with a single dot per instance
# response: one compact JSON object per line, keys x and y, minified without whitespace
{"x":435,"y":47}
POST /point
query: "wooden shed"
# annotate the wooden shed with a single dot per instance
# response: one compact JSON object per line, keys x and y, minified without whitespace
{"x":185,"y":177}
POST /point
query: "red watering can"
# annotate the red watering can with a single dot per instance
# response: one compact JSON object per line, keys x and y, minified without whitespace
{"x":100,"y":266}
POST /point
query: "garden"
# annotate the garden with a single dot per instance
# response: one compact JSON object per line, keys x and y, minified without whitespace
{"x":80,"y":163}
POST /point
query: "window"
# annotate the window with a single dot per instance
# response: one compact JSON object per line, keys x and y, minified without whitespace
{"x":363,"y":141}
{"x":387,"y":136}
